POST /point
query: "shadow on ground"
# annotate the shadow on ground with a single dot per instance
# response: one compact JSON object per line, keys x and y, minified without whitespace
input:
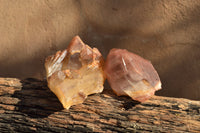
{"x":36,"y":100}
{"x":126,"y":102}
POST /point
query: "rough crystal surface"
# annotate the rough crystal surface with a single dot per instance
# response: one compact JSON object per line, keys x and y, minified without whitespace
{"x":132,"y":75}
{"x":75,"y":73}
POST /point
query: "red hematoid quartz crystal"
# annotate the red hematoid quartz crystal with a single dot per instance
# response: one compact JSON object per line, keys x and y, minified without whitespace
{"x":75,"y":73}
{"x":131,"y":75}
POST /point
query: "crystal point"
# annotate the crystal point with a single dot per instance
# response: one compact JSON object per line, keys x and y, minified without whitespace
{"x":131,"y":75}
{"x":75,"y":73}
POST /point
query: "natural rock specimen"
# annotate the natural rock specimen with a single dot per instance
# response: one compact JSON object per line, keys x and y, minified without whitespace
{"x":75,"y":73}
{"x":132,"y":75}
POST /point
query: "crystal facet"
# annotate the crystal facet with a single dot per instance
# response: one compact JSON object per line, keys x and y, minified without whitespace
{"x":75,"y":73}
{"x":132,"y":75}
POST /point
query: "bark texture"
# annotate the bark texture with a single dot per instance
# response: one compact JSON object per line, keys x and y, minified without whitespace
{"x":29,"y":106}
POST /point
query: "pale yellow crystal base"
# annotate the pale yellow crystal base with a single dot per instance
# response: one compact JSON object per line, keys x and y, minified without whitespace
{"x":75,"y":87}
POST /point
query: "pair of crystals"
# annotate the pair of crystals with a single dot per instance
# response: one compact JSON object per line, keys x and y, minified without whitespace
{"x":78,"y":71}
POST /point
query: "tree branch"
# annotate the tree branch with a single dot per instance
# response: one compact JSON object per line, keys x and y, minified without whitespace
{"x":29,"y":106}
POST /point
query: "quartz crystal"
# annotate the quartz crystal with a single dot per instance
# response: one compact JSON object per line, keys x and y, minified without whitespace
{"x":131,"y":75}
{"x":75,"y":73}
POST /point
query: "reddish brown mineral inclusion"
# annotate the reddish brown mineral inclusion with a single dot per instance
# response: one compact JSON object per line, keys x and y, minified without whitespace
{"x":132,"y":75}
{"x":75,"y":73}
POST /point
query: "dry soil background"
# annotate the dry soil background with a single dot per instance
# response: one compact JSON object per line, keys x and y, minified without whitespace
{"x":165,"y":32}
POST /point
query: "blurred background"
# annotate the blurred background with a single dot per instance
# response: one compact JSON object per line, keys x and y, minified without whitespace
{"x":165,"y":32}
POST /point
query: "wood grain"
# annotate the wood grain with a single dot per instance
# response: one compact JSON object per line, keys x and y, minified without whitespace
{"x":29,"y":106}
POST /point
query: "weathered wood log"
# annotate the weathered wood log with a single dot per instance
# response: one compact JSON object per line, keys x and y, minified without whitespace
{"x":29,"y":106}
